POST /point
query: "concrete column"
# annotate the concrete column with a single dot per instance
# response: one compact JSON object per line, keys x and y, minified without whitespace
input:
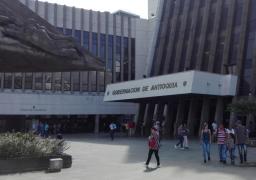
{"x":179,"y":116}
{"x":192,"y":115}
{"x":168,"y":128}
{"x":148,"y":118}
{"x":219,"y":111}
{"x":97,"y":124}
{"x":139,"y":119}
{"x":205,"y":112}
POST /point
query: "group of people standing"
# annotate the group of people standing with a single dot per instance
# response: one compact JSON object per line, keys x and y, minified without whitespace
{"x":182,"y":134}
{"x":228,"y":140}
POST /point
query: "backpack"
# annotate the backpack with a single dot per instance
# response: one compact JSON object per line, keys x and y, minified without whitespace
{"x":152,"y":143}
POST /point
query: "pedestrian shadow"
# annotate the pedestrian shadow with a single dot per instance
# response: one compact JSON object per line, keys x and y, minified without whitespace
{"x":150,"y":169}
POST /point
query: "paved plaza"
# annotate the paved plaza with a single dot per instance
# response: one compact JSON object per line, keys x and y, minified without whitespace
{"x":99,"y":158}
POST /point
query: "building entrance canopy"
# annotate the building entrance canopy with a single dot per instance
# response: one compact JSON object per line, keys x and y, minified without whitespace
{"x":189,"y":82}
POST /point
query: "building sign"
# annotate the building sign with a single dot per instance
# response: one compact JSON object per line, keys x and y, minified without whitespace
{"x":189,"y":82}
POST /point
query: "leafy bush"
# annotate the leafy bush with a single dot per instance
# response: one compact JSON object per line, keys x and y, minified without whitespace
{"x":16,"y":145}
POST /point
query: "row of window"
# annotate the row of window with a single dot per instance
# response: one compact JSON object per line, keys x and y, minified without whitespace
{"x":57,"y":81}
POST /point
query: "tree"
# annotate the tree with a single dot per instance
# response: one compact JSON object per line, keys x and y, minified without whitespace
{"x":243,"y":106}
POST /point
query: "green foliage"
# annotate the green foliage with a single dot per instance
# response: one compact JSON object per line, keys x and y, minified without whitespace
{"x":243,"y":106}
{"x":15,"y":145}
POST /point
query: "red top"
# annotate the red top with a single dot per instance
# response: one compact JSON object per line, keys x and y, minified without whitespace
{"x":221,"y":136}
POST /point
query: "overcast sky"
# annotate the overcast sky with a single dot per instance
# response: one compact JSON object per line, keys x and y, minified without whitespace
{"x":139,"y":7}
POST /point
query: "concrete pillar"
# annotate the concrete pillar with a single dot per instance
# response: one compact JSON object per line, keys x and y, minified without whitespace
{"x":205,"y":112}
{"x":168,"y":128}
{"x":148,"y":118}
{"x":192,"y":115}
{"x":97,"y":124}
{"x":179,"y":116}
{"x":219,"y":111}
{"x":139,"y":119}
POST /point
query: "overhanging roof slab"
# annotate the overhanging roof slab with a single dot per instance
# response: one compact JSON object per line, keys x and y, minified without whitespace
{"x":183,"y":83}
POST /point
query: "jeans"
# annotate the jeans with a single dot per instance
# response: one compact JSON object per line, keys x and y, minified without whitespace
{"x":150,"y":152}
{"x":181,"y":139}
{"x":222,"y":152}
{"x":242,"y":150}
{"x":206,"y":150}
{"x":232,"y":154}
{"x":112,"y":133}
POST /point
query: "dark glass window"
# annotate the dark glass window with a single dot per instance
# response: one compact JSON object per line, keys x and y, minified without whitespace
{"x":102,"y":46}
{"x":133,"y":59}
{"x":85,"y":83}
{"x":118,"y":58}
{"x":78,"y":36}
{"x":86,"y":40}
{"x":76,"y":81}
{"x":110,"y":52}
{"x":234,"y":47}
{"x":56,"y":83}
{"x":38,"y":81}
{"x":202,"y":3}
{"x":219,"y":55}
{"x":101,"y":80}
{"x":211,"y":22}
{"x":95,"y":43}
{"x":182,"y":3}
{"x":48,"y":81}
{"x":8,"y":80}
{"x":93,"y":80}
{"x":18,"y":81}
{"x":28,"y":80}
{"x":66,"y":81}
{"x":60,"y":29}
{"x":68,"y":32}
{"x":126,"y":57}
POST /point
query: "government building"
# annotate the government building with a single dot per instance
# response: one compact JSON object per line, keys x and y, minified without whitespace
{"x":74,"y":100}
{"x":201,"y":59}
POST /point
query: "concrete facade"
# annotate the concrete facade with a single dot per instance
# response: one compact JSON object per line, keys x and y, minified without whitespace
{"x":207,"y":35}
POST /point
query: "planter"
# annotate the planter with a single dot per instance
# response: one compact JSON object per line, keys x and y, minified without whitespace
{"x":28,"y":164}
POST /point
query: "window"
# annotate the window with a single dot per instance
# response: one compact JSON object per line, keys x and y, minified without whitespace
{"x":78,"y":36}
{"x":66,"y":81}
{"x":48,"y":81}
{"x":76,"y":81}
{"x":38,"y":81}
{"x":133,"y":59}
{"x":28,"y":80}
{"x":85,"y":83}
{"x":126,"y":57}
{"x":86,"y":40}
{"x":110,"y":52}
{"x":93,"y":80}
{"x":56,"y":81}
{"x":102,"y":46}
{"x":101,"y":80}
{"x":68,"y":32}
{"x":118,"y":58}
{"x":8,"y":80}
{"x":18,"y":81}
{"x":95,"y":44}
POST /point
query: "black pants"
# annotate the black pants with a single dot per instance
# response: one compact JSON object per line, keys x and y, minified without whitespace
{"x":150,"y":152}
{"x":180,"y":143}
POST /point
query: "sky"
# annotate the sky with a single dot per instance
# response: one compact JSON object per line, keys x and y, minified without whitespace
{"x":139,"y":7}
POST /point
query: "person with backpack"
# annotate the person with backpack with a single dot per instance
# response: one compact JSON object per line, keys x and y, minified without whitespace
{"x":241,"y":138}
{"x":153,"y":144}
{"x":112,"y":128}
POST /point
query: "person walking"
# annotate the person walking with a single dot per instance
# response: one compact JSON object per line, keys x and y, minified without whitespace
{"x":241,"y":138}
{"x":221,"y":141}
{"x":153,"y":144}
{"x":185,"y":133}
{"x":231,"y":146}
{"x":112,"y":128}
{"x":180,"y":137}
{"x":206,"y":142}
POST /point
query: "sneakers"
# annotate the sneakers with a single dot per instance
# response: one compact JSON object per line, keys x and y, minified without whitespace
{"x":158,"y":166}
{"x":209,"y":158}
{"x":204,"y":161}
{"x":175,"y":147}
